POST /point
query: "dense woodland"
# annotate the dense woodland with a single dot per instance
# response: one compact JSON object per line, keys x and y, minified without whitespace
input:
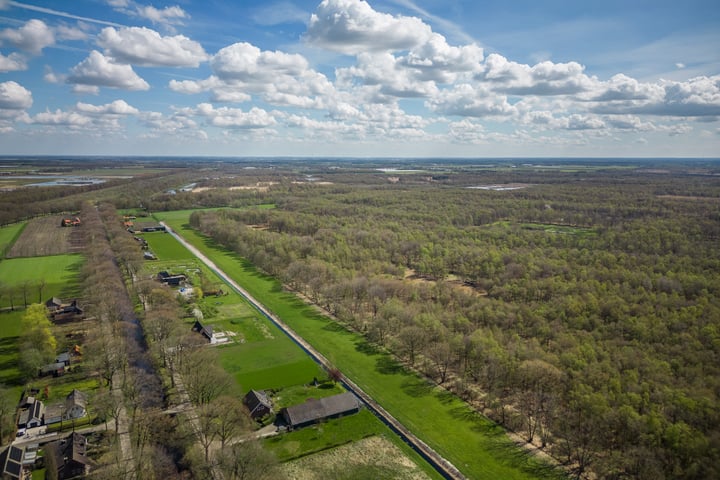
{"x":582,"y":311}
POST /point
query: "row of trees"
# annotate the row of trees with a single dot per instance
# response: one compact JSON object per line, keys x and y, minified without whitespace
{"x":595,"y":332}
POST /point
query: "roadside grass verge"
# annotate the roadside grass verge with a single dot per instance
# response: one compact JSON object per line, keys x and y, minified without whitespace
{"x":473,"y":443}
{"x":22,"y":277}
{"x":8,"y":235}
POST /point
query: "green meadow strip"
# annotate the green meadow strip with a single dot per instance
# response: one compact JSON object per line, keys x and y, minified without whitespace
{"x":8,"y":235}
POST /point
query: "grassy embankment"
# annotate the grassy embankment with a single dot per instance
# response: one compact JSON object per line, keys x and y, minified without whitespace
{"x":477,"y":446}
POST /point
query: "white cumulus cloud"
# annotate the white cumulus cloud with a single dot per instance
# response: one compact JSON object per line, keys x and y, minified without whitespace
{"x":12,"y":62}
{"x":14,"y":96}
{"x":144,"y":46}
{"x":168,"y":15}
{"x":544,"y":78}
{"x":246,"y":62}
{"x":117,"y":107}
{"x":353,"y":26}
{"x":61,"y":118}
{"x":31,"y":37}
{"x":97,"y":70}
{"x":235,"y":117}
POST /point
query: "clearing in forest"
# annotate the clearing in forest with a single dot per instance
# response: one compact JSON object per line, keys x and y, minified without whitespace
{"x":372,"y":457}
{"x":45,"y":236}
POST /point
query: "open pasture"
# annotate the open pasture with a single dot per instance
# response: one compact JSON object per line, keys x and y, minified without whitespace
{"x":44,"y":236}
{"x":36,"y":279}
{"x":9,"y":354}
{"x":165,"y":247}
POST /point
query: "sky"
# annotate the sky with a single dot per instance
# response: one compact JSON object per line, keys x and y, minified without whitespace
{"x":382,"y":78}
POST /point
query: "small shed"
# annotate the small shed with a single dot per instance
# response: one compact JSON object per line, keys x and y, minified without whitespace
{"x":258,"y":403}
{"x":56,"y":369}
{"x":206,"y":331}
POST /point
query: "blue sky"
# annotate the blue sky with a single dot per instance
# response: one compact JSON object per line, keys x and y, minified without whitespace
{"x":395,"y":78}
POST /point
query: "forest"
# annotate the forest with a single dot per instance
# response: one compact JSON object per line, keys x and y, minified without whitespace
{"x":581,"y":311}
{"x":575,"y":303}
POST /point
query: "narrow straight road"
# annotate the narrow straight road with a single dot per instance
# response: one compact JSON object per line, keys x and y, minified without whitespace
{"x":443,"y":466}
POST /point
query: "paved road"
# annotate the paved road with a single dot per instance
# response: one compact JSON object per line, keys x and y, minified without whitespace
{"x":443,"y":466}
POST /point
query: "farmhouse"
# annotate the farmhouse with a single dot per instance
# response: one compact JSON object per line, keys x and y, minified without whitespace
{"x":169,"y":279}
{"x":257,"y":403}
{"x":63,"y":312}
{"x":315,"y":410}
{"x":70,"y":222}
{"x":75,"y":405}
{"x":32,"y":414}
{"x":67,"y":457}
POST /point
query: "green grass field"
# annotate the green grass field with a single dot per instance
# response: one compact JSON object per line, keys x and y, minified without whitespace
{"x":10,"y":375}
{"x":8,"y":235}
{"x":325,"y":435}
{"x":165,"y":247}
{"x":58,"y":271}
{"x":477,"y":446}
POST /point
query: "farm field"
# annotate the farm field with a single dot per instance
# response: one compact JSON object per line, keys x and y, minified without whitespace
{"x":8,"y":235}
{"x":480,"y":448}
{"x":371,"y":457}
{"x":23,"y":277}
{"x":44,"y":236}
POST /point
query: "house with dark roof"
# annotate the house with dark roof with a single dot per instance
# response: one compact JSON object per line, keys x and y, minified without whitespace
{"x":32,"y":413}
{"x":315,"y":410}
{"x":56,"y":369}
{"x":67,"y":457}
{"x":63,"y":358}
{"x":170,"y":279}
{"x":258,"y":403}
{"x":75,"y":405}
{"x":63,"y":312}
{"x":206,"y":331}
